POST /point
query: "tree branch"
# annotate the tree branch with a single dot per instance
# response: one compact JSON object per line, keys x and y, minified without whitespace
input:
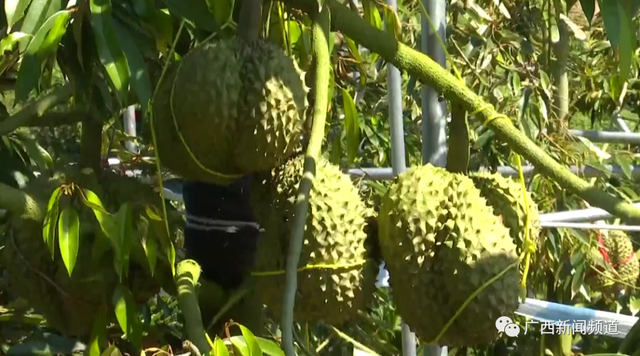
{"x":250,"y":20}
{"x":430,"y":73}
{"x":323,"y":69}
{"x":36,"y":109}
{"x":54,"y":119}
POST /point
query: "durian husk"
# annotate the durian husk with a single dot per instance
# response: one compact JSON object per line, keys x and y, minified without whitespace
{"x":441,"y":242}
{"x":621,"y":270}
{"x":238,"y":106}
{"x":506,"y":196}
{"x":334,"y":236}
{"x":69,"y":304}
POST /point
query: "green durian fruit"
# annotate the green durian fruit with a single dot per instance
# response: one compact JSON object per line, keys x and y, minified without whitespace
{"x":441,"y":242}
{"x":229,"y":108}
{"x":343,"y":279}
{"x":615,"y":263}
{"x":271,"y":117}
{"x":505,"y":196}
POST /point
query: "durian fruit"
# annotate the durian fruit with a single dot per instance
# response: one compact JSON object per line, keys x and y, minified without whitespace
{"x":70,"y":304}
{"x":505,"y":196}
{"x":614,"y":262}
{"x":340,"y":279}
{"x":441,"y":242}
{"x":238,"y":107}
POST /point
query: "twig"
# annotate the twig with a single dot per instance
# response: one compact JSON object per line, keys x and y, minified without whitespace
{"x":36,"y":109}
{"x":193,"y":349}
{"x":321,"y":51}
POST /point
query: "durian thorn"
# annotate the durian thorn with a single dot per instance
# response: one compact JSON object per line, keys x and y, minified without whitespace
{"x":44,"y":276}
{"x":471,"y":297}
{"x":183,"y":141}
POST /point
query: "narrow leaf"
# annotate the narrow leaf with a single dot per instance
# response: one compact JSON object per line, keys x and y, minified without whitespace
{"x":111,"y":55}
{"x":252,"y":343}
{"x":222,"y":10}
{"x":149,"y":244}
{"x":69,"y":237}
{"x":39,"y":47}
{"x":38,"y":12}
{"x":8,"y":43}
{"x":219,"y":348}
{"x":98,"y":335}
{"x":38,"y":154}
{"x":140,"y":81}
{"x":351,"y":126}
{"x":269,"y":347}
{"x":124,"y":307}
{"x":51,"y":220}
{"x":125,"y":231}
{"x":589,"y":9}
{"x":14,"y":9}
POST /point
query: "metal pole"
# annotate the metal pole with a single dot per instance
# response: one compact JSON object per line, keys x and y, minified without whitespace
{"x":394,"y":83}
{"x":130,"y":127}
{"x":381,"y":173}
{"x":434,"y":112}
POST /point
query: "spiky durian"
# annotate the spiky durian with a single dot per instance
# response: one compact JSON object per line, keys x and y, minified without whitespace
{"x":614,"y":263}
{"x":505,"y":196}
{"x":338,"y":279}
{"x":230,"y":108}
{"x":441,"y":242}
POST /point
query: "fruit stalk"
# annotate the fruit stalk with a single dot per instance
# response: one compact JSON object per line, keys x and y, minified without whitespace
{"x":431,"y":73}
{"x":187,"y":276}
{"x":322,"y":71}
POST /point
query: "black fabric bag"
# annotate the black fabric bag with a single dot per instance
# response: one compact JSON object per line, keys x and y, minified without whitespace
{"x":221,"y":232}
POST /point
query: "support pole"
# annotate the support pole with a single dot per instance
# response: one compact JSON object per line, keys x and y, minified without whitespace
{"x":130,"y":127}
{"x":434,"y":111}
{"x":394,"y":87}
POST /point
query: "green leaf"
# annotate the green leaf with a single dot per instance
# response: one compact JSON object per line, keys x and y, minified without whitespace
{"x":240,"y":345}
{"x":112,"y":350}
{"x":8,"y":43}
{"x":626,"y":164}
{"x":269,"y":347}
{"x":222,"y":10}
{"x":124,"y":221}
{"x":611,"y":20}
{"x":38,"y":154}
{"x":627,"y":44}
{"x":219,"y":348}
{"x":110,"y":52}
{"x":140,"y":81}
{"x":352,"y":128}
{"x":589,"y":9}
{"x":195,"y":11}
{"x":125,"y":309}
{"x":250,"y":339}
{"x":98,"y":335}
{"x":149,"y":244}
{"x":69,"y":237}
{"x":51,"y":220}
{"x":43,"y":44}
{"x":38,"y":12}
{"x":14,"y":9}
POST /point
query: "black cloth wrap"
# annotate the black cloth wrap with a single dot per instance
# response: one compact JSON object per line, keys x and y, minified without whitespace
{"x":225,"y":253}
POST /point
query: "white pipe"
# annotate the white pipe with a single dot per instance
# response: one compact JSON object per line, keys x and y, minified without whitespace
{"x":583,"y":226}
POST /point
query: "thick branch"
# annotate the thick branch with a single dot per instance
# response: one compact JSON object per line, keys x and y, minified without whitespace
{"x":91,"y":143}
{"x":36,"y":109}
{"x":54,"y":119}
{"x":250,"y":20}
{"x":430,"y":73}
{"x":323,"y":70}
{"x":20,"y":204}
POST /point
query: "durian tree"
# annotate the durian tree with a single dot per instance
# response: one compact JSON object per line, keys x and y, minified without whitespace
{"x":79,"y":64}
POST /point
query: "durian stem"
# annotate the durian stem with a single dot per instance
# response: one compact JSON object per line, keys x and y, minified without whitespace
{"x":431,"y":73}
{"x":187,"y":276}
{"x":322,"y":72}
{"x":20,"y":204}
{"x":250,"y":21}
